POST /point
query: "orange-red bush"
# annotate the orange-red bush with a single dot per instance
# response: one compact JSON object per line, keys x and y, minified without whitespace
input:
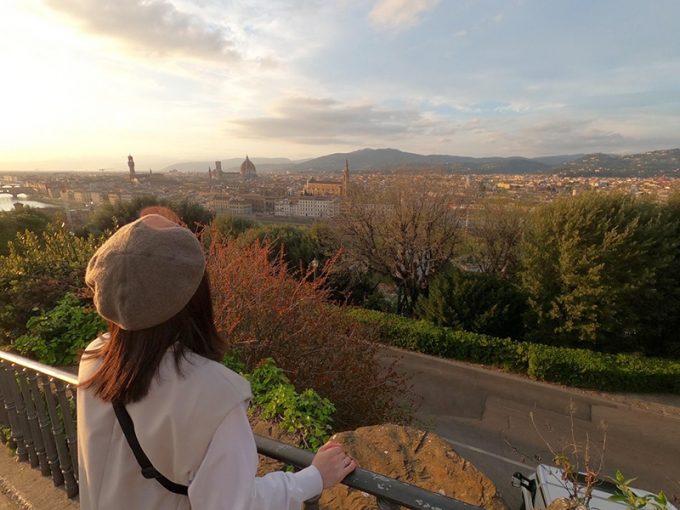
{"x":265,"y":311}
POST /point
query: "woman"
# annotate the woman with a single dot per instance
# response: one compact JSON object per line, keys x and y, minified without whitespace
{"x":157,"y":374}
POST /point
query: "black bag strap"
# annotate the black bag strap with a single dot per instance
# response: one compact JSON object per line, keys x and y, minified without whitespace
{"x":148,"y":471}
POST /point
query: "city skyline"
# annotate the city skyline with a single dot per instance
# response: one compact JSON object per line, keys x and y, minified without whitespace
{"x":181,"y":80}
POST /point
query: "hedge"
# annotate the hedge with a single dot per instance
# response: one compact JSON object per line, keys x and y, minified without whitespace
{"x":574,"y":367}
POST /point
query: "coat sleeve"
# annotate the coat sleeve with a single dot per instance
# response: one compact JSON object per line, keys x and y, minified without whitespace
{"x":226,"y":477}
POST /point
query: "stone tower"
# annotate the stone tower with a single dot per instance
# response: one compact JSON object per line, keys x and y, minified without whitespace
{"x":345,"y":179}
{"x":131,"y":166}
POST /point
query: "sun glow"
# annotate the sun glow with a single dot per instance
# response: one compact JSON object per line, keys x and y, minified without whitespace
{"x":68,"y":95}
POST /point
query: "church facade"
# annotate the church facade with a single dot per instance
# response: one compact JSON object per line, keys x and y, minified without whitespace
{"x":317,"y":187}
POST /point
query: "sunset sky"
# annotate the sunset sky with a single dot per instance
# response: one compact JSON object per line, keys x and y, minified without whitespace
{"x":85,"y":82}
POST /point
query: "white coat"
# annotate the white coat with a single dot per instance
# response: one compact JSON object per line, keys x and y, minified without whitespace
{"x":194,"y":429}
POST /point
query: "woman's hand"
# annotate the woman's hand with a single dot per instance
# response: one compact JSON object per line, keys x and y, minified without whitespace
{"x":333,"y":464}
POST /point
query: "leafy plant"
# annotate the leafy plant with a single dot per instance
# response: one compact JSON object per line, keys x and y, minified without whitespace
{"x":265,"y":311}
{"x":295,"y":244}
{"x":580,"y":471}
{"x":574,"y":367}
{"x":13,"y":222}
{"x":56,"y":337}
{"x":234,"y":226}
{"x":478,"y":302}
{"x":37,"y":271}
{"x":635,"y":501}
{"x":5,"y":434}
{"x":601,"y":272}
{"x":232,"y":360}
{"x":111,"y":216}
{"x":306,"y":415}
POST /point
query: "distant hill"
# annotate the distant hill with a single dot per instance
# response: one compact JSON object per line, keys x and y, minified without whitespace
{"x":393,"y":159}
{"x":645,"y":164}
{"x":557,"y":160}
{"x":364,"y":159}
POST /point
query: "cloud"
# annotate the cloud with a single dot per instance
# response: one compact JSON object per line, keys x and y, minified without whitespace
{"x":398,"y":15}
{"x":320,"y":121}
{"x":326,"y":121}
{"x":154,"y":27}
{"x":551,"y":136}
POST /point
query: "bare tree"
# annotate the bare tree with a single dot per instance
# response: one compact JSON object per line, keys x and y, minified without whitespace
{"x":403,"y":233}
{"x":497,"y":231}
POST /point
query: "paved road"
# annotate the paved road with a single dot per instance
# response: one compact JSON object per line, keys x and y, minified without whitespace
{"x":486,"y":415}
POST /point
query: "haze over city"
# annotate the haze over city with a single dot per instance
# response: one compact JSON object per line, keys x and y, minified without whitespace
{"x":86,"y":82}
{"x":442,"y":234}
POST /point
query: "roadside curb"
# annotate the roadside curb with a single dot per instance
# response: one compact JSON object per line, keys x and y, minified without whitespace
{"x":14,"y":495}
{"x":28,"y":489}
{"x":634,"y":402}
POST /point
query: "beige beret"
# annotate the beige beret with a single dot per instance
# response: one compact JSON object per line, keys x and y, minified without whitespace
{"x":146,"y":272}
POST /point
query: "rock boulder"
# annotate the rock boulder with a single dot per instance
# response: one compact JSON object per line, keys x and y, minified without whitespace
{"x":413,"y":456}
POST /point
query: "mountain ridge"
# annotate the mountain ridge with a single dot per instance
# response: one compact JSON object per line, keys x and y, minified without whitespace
{"x":646,"y":164}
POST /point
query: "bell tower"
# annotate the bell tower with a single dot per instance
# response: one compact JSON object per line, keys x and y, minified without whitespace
{"x":345,"y":179}
{"x":131,"y":166}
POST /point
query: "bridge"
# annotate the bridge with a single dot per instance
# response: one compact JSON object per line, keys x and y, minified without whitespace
{"x":16,"y":191}
{"x":38,"y":413}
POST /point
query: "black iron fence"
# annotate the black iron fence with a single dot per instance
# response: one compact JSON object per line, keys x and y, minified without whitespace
{"x":37,"y":420}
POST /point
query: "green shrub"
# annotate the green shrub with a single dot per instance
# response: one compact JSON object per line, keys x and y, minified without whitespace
{"x":573,"y":367}
{"x":601,"y":272}
{"x":109,"y":217}
{"x":13,"y":222}
{"x":588,"y":369}
{"x":635,"y":501}
{"x":234,"y":226}
{"x":298,"y":246}
{"x":57,"y":337}
{"x":477,"y":302}
{"x":38,"y":270}
{"x":306,"y":415}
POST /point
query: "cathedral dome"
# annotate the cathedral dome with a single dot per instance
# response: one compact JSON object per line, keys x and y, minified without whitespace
{"x":247,"y":168}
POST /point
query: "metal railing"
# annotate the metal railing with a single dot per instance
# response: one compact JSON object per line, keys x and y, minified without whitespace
{"x":37,"y":419}
{"x":37,"y":416}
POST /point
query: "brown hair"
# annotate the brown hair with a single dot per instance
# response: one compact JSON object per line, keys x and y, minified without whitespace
{"x":162,"y":211}
{"x":131,"y":359}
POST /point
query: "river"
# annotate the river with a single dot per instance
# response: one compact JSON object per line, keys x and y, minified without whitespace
{"x":7,"y":202}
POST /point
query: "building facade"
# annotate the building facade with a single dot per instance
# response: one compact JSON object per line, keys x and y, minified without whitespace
{"x":309,"y":207}
{"x":318,"y":187}
{"x":224,"y":204}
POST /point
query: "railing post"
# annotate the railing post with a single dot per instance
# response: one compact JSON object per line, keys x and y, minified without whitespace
{"x":17,"y":436}
{"x":60,"y":439}
{"x":312,"y":504}
{"x":46,"y":431}
{"x":69,"y":425}
{"x":32,"y":416}
{"x":23,"y":416}
{"x":4,"y":420}
{"x":386,"y":504}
